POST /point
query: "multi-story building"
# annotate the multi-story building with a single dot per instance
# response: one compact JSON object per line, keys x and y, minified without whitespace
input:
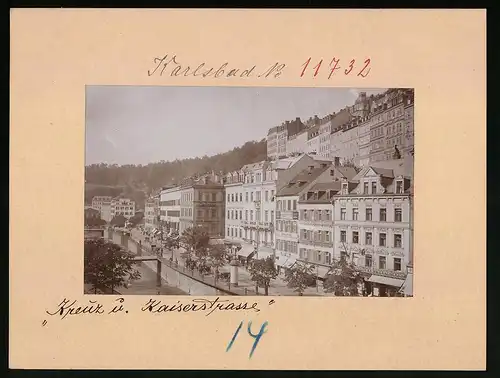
{"x":408,"y":145}
{"x":235,"y":207}
{"x":372,"y":224}
{"x":337,"y":124}
{"x":106,"y":211}
{"x":152,"y":212}
{"x":312,"y":144}
{"x":296,"y":144}
{"x":287,"y":213}
{"x":364,"y":129}
{"x":345,"y":141}
{"x":316,"y":236}
{"x":202,"y":204}
{"x":278,"y":136}
{"x":387,"y":133}
{"x":170,"y":208}
{"x":122,"y":206}
{"x":98,"y":201}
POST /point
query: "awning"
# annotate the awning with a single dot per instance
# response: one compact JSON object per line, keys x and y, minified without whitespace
{"x":321,"y":271}
{"x":264,"y":252}
{"x":386,"y":281}
{"x":286,"y":262}
{"x":407,"y":288}
{"x":246,"y":250}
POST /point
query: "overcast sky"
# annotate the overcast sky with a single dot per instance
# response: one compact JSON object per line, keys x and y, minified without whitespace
{"x":140,"y":125}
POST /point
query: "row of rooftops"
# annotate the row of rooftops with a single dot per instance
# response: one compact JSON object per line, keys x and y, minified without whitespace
{"x":344,"y":119}
{"x":324,"y":190}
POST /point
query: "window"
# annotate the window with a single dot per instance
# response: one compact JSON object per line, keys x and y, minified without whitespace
{"x":382,"y":239}
{"x":241,"y":213}
{"x":374,"y":188}
{"x":398,"y":215}
{"x":355,"y":237}
{"x":381,"y":262}
{"x":240,"y":233}
{"x":214,"y":197}
{"x":266,"y":196}
{"x":328,"y":258}
{"x":397,"y":264}
{"x":343,"y":236}
{"x":251,"y":196}
{"x":399,"y":186}
{"x":365,"y":188}
{"x":289,"y":203}
{"x":327,"y":236}
{"x":266,"y":213}
{"x":344,"y":188}
{"x":294,"y":204}
{"x":272,"y":216}
{"x":383,"y":215}
{"x":342,"y":213}
{"x":368,"y":261}
{"x":355,"y":214}
{"x":368,"y":238}
{"x":397,"y":240}
{"x":214,"y":213}
{"x":327,"y":215}
{"x":251,"y":215}
{"x":272,"y":195}
{"x":241,"y":197}
{"x":369,"y":214}
{"x":246,"y":196}
{"x":228,"y":214}
{"x":343,"y":256}
{"x":235,"y":214}
{"x":228,"y":231}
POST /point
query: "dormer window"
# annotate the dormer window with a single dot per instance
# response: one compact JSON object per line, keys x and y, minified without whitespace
{"x":374,"y":188}
{"x":344,"y":188}
{"x":399,"y":186}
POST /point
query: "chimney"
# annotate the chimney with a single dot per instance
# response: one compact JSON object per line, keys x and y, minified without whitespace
{"x":336,"y":161}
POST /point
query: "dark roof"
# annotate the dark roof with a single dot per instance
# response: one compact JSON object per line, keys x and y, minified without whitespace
{"x":340,"y":119}
{"x":384,"y":172}
{"x":347,"y":172}
{"x":298,"y":183}
{"x":334,"y":185}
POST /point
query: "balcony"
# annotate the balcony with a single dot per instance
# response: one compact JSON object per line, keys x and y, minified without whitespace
{"x":317,"y":243}
{"x":287,"y":215}
{"x":317,"y":222}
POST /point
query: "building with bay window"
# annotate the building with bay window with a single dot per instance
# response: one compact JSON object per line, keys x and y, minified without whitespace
{"x":372,"y":224}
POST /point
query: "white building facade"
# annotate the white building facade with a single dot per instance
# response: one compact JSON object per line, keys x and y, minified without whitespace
{"x":98,"y":201}
{"x":170,"y":208}
{"x":372,"y":227}
{"x":122,"y":206}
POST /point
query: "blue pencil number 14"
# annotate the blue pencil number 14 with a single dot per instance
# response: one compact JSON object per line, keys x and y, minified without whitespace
{"x":256,"y":337}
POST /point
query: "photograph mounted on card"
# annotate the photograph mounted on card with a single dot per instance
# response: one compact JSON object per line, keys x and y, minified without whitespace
{"x":214,"y":189}
{"x":318,"y":205}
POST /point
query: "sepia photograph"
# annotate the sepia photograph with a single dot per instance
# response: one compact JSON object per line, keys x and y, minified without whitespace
{"x":274,"y":191}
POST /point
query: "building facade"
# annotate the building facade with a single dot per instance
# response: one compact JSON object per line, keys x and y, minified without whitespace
{"x":152,"y":212}
{"x":287,"y":212}
{"x":122,"y":206}
{"x":170,"y":208}
{"x":372,"y":225}
{"x":202,"y":204}
{"x":98,"y":201}
{"x":277,"y":137}
{"x":235,"y":207}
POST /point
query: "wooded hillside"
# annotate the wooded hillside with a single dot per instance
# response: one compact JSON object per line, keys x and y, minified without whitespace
{"x":137,"y":181}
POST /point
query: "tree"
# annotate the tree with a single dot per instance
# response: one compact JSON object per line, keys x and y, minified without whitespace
{"x":118,"y":220}
{"x":136,"y":219}
{"x":262,"y":271}
{"x":300,"y":276}
{"x":107,"y":265}
{"x":216,"y":255}
{"x":196,"y":240}
{"x":94,"y":222}
{"x":343,"y":279}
